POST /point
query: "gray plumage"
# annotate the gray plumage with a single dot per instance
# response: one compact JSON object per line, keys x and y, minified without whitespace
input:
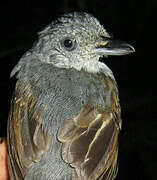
{"x":54,"y":85}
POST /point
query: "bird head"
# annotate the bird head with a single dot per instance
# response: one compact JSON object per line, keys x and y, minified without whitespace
{"x":78,"y":40}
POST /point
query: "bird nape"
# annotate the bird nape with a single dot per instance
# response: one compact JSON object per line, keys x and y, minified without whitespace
{"x":64,"y":118}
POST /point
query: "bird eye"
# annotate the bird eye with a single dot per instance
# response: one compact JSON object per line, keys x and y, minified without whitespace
{"x":69,"y":44}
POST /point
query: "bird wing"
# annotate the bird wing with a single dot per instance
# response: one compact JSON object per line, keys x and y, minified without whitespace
{"x":27,"y":142}
{"x":90,"y":141}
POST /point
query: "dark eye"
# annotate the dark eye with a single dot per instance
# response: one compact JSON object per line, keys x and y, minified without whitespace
{"x":69,"y":44}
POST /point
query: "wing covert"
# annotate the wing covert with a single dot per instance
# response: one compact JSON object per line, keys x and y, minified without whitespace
{"x":27,"y":142}
{"x":90,"y":143}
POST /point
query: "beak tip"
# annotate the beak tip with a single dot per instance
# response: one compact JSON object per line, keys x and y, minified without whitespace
{"x":131,"y":49}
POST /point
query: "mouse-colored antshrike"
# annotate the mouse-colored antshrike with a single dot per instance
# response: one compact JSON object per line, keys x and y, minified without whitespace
{"x":65,"y":114}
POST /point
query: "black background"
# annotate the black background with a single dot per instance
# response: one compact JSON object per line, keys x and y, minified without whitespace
{"x":131,"y":20}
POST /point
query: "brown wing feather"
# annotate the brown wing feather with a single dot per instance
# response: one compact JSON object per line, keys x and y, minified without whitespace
{"x":90,"y":141}
{"x":26,"y":140}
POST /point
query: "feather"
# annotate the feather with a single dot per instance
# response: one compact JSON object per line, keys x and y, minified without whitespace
{"x":26,"y":139}
{"x":90,"y":140}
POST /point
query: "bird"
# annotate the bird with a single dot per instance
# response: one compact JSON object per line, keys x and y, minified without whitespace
{"x":65,"y":114}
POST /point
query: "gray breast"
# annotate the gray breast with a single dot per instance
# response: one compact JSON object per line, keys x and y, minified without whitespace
{"x":60,"y":94}
{"x":63,"y":91}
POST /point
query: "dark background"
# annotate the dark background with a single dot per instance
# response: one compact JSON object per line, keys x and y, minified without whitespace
{"x":131,"y":20}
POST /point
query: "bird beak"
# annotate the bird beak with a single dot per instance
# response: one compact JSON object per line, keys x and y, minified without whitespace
{"x":112,"y":47}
